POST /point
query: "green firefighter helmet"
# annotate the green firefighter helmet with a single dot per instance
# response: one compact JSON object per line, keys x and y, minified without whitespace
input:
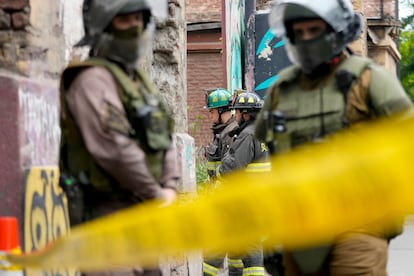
{"x":218,"y":98}
{"x":98,"y":14}
{"x":247,"y":102}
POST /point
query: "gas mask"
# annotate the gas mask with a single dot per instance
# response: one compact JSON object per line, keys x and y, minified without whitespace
{"x":122,"y":46}
{"x":309,"y":54}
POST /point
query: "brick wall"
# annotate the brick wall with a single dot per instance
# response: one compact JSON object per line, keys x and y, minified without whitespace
{"x":203,"y":11}
{"x":373,"y":9}
{"x":14,"y":18}
{"x":32,"y":42}
{"x":204,"y":71}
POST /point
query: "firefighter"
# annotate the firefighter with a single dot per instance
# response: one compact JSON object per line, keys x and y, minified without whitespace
{"x":248,"y":154}
{"x":246,"y":151}
{"x":218,"y":103}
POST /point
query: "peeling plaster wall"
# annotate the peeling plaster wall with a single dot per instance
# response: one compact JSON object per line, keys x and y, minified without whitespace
{"x":72,"y":28}
{"x":46,"y":35}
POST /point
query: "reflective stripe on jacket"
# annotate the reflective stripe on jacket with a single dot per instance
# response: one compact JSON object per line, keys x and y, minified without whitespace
{"x":246,"y":152}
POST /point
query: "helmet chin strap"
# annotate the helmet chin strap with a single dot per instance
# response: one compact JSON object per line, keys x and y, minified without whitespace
{"x":222,"y":110}
{"x":220,"y":121}
{"x":242,"y":120}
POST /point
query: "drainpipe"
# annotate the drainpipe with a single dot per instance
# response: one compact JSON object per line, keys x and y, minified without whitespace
{"x":249,"y":42}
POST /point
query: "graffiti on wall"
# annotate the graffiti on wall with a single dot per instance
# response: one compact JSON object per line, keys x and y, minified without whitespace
{"x":235,"y":30}
{"x":264,"y":53}
{"x":270,"y":55}
{"x":45,"y":213}
{"x":41,"y":132}
{"x":186,"y":162}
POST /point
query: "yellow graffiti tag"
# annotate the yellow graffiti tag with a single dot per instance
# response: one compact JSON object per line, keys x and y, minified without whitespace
{"x":45,"y":214}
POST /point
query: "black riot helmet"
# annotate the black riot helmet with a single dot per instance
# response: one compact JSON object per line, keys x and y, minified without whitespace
{"x":98,"y":14}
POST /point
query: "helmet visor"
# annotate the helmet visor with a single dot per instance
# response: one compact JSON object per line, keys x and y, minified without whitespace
{"x":276,"y":18}
{"x":284,"y":12}
{"x":337,"y":13}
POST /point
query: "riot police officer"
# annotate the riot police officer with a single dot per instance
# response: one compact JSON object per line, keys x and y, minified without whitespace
{"x":116,"y":143}
{"x":326,"y":90}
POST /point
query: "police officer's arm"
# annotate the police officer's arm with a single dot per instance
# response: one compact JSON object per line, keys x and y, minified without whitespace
{"x":170,"y":173}
{"x":89,"y":99}
{"x":386,"y":93}
{"x":240,"y":154}
{"x":170,"y":177}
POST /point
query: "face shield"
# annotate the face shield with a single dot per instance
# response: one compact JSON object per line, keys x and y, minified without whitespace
{"x":344,"y":26}
{"x":338,"y":14}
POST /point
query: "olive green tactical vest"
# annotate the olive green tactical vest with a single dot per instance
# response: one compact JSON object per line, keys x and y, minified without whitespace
{"x":310,"y":116}
{"x":135,"y":97}
{"x":313,"y":114}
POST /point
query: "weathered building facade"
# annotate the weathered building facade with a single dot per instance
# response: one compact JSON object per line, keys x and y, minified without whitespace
{"x":207,"y":49}
{"x":205,"y":67}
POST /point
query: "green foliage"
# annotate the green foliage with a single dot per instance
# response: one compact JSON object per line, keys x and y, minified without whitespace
{"x":201,"y":169}
{"x":407,"y":61}
{"x":407,"y":6}
{"x":407,"y":53}
{"x":195,"y":126}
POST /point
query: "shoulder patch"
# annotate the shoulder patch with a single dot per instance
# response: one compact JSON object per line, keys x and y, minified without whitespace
{"x":115,"y":120}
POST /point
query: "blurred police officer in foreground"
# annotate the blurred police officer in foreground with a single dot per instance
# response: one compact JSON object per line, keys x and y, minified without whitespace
{"x":116,"y":148}
{"x":326,"y":90}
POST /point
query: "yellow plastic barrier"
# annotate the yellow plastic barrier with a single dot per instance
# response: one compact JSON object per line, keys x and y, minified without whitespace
{"x":311,"y":195}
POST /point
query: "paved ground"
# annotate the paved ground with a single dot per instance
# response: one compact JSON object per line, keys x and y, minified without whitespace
{"x":401,"y":257}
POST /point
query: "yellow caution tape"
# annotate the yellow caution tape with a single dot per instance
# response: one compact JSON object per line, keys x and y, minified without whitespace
{"x":311,"y":195}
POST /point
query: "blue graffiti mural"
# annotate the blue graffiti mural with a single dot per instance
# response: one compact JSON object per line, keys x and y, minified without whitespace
{"x":267,"y":83}
{"x":268,"y":37}
{"x":265,"y":53}
{"x":270,"y":55}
